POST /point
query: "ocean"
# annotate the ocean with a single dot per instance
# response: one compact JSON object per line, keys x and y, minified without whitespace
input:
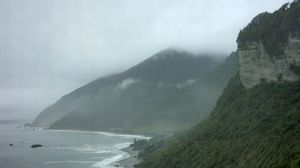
{"x":61,"y":148}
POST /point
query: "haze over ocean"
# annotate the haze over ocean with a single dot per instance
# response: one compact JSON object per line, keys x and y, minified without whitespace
{"x":61,"y":149}
{"x":49,"y":48}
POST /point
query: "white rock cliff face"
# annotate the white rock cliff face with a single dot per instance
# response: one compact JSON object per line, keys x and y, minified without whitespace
{"x":256,"y":65}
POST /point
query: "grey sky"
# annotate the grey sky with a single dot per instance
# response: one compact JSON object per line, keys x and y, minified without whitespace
{"x":50,"y":47}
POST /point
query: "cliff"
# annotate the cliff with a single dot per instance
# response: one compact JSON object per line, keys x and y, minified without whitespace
{"x":256,"y":122}
{"x":269,"y":47}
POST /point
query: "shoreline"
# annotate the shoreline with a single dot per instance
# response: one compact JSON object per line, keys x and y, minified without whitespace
{"x":103,"y":132}
{"x":120,"y":154}
{"x":127,"y":162}
{"x":136,"y":136}
{"x":130,"y":161}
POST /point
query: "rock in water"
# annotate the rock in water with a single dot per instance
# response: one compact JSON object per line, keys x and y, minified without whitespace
{"x":36,"y":146}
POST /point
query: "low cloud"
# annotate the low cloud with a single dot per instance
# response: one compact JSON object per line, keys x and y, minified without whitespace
{"x":48,"y":48}
{"x":126,"y":83}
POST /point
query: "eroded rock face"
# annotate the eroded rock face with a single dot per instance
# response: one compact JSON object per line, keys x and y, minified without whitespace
{"x":256,"y":65}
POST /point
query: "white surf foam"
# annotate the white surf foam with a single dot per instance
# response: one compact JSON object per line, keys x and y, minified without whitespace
{"x":106,"y":163}
{"x":102,"y":133}
{"x":69,"y":161}
{"x":120,"y":155}
{"x":122,"y":145}
{"x":115,"y":152}
{"x":100,"y":151}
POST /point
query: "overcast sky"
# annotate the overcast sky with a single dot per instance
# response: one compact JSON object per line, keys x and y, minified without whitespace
{"x":50,"y":47}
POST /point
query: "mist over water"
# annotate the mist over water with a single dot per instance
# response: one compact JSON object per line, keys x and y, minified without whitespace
{"x":60,"y":148}
{"x":49,"y":48}
{"x":168,"y":69}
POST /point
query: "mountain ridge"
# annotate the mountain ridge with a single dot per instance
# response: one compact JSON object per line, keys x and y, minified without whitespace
{"x":154,"y":87}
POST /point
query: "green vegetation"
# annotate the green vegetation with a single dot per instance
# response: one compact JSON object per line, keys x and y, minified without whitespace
{"x":295,"y":69}
{"x":170,"y":91}
{"x":273,"y":30}
{"x":259,"y":127}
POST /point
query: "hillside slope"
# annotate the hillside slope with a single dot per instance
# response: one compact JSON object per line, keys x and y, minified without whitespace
{"x":163,"y":93}
{"x":256,"y":123}
{"x":259,"y":127}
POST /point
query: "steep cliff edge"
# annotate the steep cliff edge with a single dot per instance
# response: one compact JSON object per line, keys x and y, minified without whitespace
{"x":256,"y":123}
{"x":269,"y":47}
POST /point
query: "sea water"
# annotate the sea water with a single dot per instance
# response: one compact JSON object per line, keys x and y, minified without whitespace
{"x":61,"y":148}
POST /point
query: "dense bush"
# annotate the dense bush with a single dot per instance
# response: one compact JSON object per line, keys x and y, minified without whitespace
{"x":273,"y":30}
{"x":259,"y":127}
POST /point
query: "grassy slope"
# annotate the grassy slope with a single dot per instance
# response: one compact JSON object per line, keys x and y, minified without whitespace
{"x":259,"y":127}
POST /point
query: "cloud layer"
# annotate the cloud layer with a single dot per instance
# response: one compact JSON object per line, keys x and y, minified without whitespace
{"x":48,"y":48}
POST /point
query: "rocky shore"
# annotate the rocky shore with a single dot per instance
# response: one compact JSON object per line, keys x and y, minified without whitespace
{"x":131,"y":161}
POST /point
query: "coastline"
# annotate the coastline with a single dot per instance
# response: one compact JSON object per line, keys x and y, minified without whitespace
{"x":131,"y":160}
{"x":98,"y":132}
{"x":127,"y":162}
